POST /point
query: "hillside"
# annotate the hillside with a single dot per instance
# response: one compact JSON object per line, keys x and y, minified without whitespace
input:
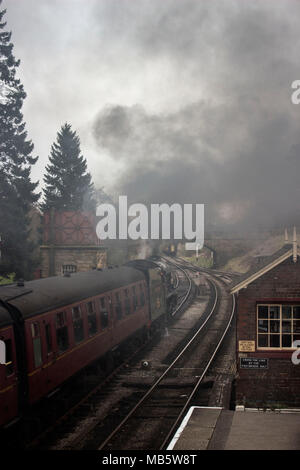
{"x":246,"y":261}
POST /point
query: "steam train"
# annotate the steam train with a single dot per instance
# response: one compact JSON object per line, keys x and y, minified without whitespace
{"x":171,"y":249}
{"x":54,"y":327}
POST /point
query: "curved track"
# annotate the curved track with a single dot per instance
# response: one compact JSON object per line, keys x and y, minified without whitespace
{"x":156,"y":403}
{"x":186,"y":296}
{"x":64,"y":423}
{"x":167,"y":397}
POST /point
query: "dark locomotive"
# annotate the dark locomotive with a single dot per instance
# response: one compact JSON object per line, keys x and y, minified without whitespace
{"x":54,"y":327}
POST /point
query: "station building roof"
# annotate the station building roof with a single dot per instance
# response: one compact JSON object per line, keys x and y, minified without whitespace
{"x":268,"y":263}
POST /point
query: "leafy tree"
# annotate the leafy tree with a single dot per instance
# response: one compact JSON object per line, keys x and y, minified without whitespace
{"x":17,"y":191}
{"x":68,"y":185}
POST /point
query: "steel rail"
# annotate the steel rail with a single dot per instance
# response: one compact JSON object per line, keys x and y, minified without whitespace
{"x":157,"y":382}
{"x":37,"y":439}
{"x":182,"y":413}
{"x":69,"y":413}
{"x":189,"y":288}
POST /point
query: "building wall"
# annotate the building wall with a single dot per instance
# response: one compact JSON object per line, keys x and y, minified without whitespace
{"x":84,"y":258}
{"x":70,"y":239}
{"x":279,"y":385}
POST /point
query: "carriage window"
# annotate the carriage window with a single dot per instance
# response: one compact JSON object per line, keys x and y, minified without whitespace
{"x":111,"y":307}
{"x":127,"y":302}
{"x":118,"y":306}
{"x":90,"y":307}
{"x":134,"y":296}
{"x":142,"y":295}
{"x":77,"y":324}
{"x":104,"y":319}
{"x":37,"y":347}
{"x":8,"y":357}
{"x":48,"y":338}
{"x":92,"y":321}
{"x":2,"y":352}
{"x":62,"y":332}
{"x":104,"y":312}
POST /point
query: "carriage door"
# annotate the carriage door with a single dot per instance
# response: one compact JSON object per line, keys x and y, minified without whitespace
{"x":48,"y":353}
{"x":8,"y":376}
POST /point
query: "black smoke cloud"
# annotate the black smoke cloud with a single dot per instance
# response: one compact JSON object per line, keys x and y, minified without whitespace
{"x":206,"y":154}
{"x":236,"y":149}
{"x":200,"y":95}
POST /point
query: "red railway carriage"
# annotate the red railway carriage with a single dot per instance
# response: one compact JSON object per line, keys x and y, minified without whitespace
{"x":67,"y":323}
{"x":8,"y":371}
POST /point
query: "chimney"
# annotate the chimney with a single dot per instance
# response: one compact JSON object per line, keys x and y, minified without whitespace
{"x":295,"y":245}
{"x":286,"y":237}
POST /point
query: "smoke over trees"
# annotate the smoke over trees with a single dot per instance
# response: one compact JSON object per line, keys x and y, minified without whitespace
{"x":188,"y":102}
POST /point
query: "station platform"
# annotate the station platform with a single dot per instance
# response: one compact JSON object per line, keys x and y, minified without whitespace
{"x":205,"y":428}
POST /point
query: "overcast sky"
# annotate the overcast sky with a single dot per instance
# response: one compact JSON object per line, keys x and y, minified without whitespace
{"x":173,"y":100}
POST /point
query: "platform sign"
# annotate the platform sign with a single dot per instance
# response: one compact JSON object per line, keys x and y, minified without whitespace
{"x":253,"y":363}
{"x":246,"y":346}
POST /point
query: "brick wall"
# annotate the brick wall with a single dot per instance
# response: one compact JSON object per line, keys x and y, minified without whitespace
{"x":279,"y":385}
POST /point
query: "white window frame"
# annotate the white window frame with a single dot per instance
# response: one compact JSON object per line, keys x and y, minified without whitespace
{"x":281,"y":333}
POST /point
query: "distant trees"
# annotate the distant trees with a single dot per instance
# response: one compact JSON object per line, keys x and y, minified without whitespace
{"x":17,"y":191}
{"x":68,"y":184}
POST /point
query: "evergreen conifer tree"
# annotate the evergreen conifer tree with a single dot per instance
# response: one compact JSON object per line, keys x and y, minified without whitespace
{"x":68,"y":185}
{"x":17,"y":194}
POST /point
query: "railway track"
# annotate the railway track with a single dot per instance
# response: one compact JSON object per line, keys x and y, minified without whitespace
{"x":66,"y":420}
{"x":187,"y":294}
{"x":164,"y":404}
{"x":150,"y":403}
{"x":75,"y":414}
